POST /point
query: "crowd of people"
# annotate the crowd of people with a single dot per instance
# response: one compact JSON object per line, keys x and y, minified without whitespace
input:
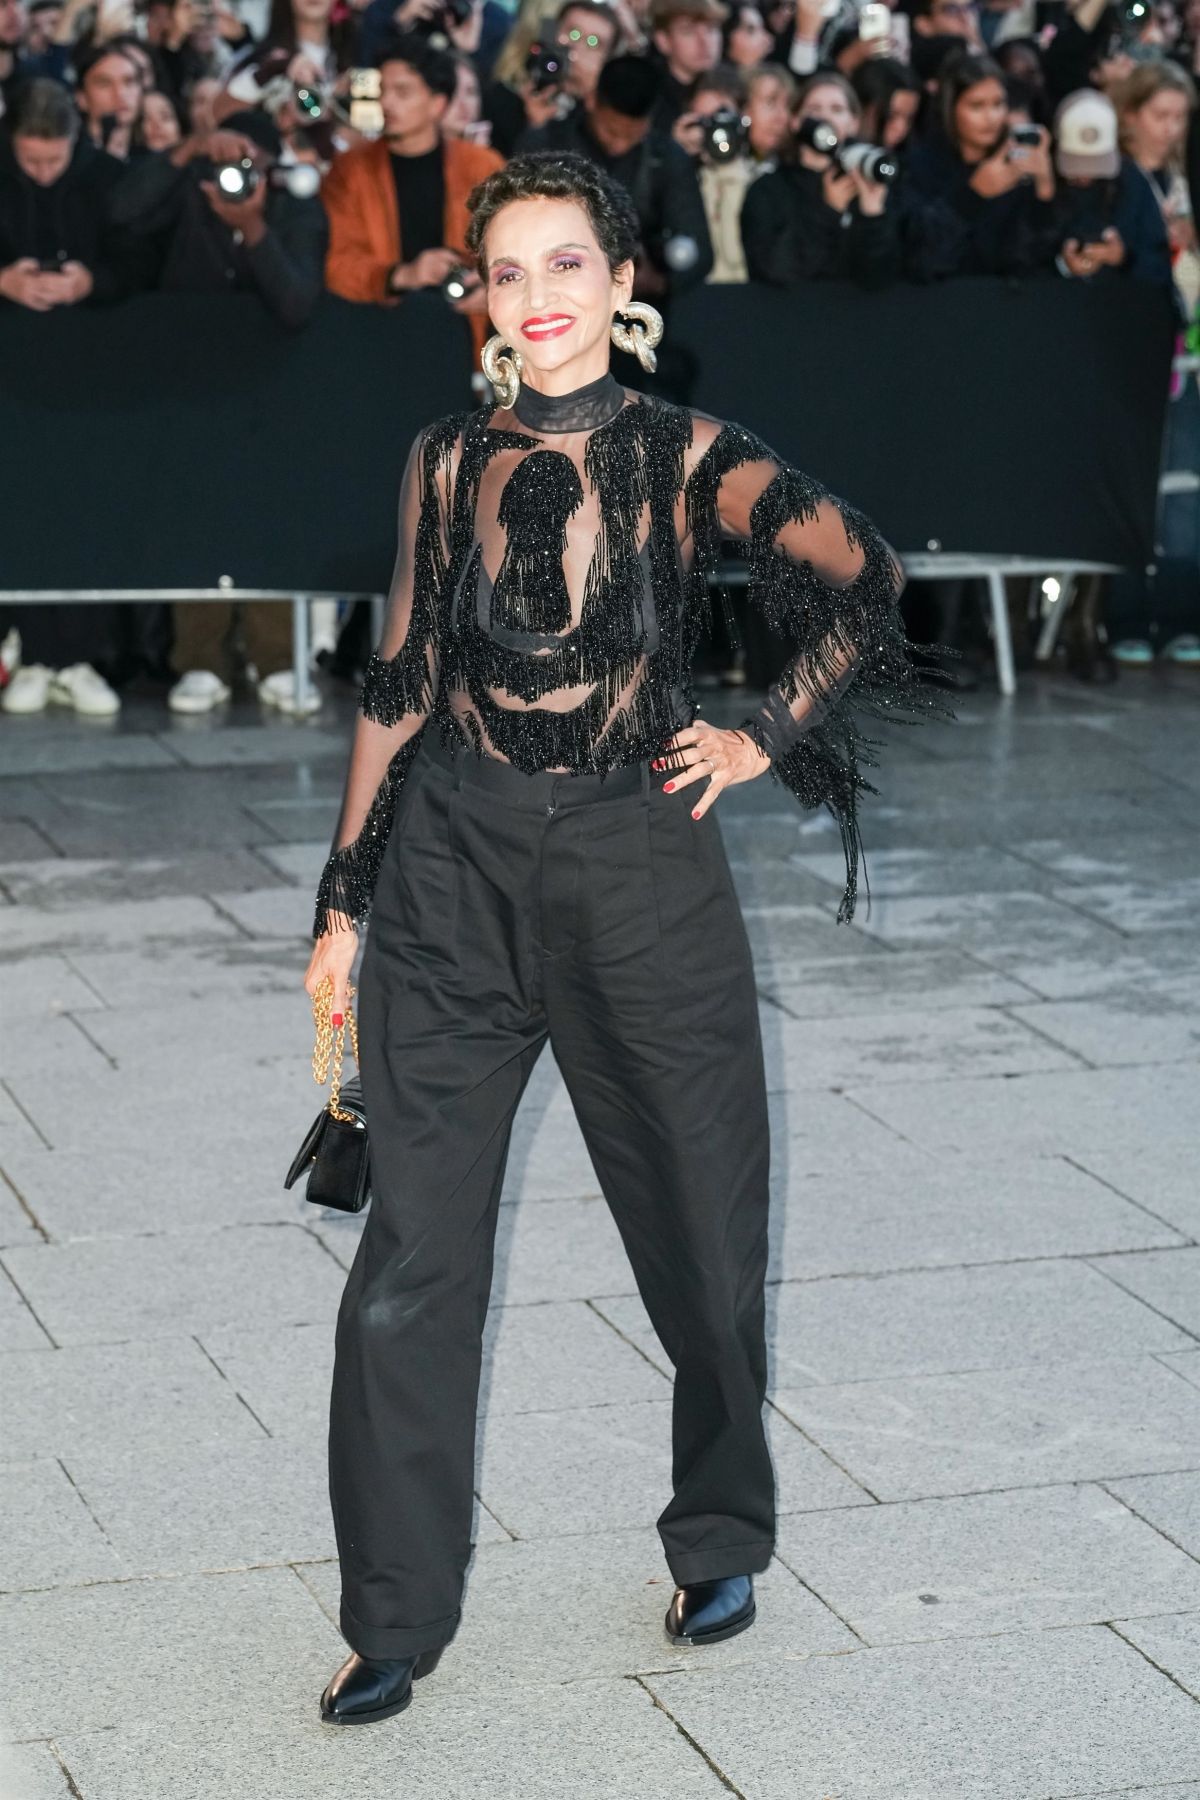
{"x":330,"y":145}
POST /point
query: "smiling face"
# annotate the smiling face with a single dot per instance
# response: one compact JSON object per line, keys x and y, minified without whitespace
{"x":551,"y":294}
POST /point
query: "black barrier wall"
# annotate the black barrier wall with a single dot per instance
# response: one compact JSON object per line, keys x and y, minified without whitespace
{"x":173,"y":440}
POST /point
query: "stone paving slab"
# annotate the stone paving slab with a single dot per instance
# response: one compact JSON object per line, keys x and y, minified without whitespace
{"x":60,"y":1402}
{"x":900,"y":981}
{"x":170,"y":921}
{"x":1134,"y":906}
{"x":1168,"y":1280}
{"x":917,"y":1210}
{"x":1024,"y":1716}
{"x":1077,"y":973}
{"x":861,"y":1329}
{"x":42,"y":987}
{"x":1171,"y":1503}
{"x":1160,"y":1177}
{"x":926,"y":1569}
{"x":20,"y":1326}
{"x":982,"y":869}
{"x":1156,"y":1021}
{"x":1172,"y":1643}
{"x":1000,"y":1428}
{"x":590,"y":1740}
{"x":906,"y":1046}
{"x":66,"y":882}
{"x":235,"y":967}
{"x":51,"y":1539}
{"x":31,"y":1772}
{"x":109,"y":1290}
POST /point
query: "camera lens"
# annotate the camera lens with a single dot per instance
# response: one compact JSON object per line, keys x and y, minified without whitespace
{"x":454,"y":287}
{"x":815,"y":134}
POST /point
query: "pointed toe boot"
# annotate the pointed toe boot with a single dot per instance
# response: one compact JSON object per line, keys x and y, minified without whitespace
{"x":367,"y":1688}
{"x":705,"y":1612}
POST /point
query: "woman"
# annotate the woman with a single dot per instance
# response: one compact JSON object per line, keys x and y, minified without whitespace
{"x":808,"y":220}
{"x":890,"y":97}
{"x":987,"y":201}
{"x":1155,"y":105}
{"x":745,"y":40}
{"x":544,"y":863}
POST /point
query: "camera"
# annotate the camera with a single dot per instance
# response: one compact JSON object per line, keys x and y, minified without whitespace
{"x":236,"y":180}
{"x":546,"y":66}
{"x":722,"y":135}
{"x":456,"y":283}
{"x":867,"y":160}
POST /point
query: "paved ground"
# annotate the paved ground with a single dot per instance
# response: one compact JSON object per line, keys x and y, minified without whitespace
{"x":985,"y":1310}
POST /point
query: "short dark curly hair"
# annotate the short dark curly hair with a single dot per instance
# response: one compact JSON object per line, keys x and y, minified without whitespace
{"x":557,"y":175}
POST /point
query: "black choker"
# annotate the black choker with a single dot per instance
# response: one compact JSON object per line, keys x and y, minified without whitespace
{"x":581,"y":410}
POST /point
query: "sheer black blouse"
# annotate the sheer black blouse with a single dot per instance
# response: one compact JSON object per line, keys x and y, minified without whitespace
{"x":550,"y":589}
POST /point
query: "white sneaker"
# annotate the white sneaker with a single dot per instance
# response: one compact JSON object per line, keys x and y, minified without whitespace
{"x":280,"y":690}
{"x":197,"y":692}
{"x":89,"y":693}
{"x":28,"y":690}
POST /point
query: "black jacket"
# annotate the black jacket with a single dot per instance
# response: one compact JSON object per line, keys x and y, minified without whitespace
{"x":958,"y":231}
{"x":661,"y":180}
{"x":1127,"y":203}
{"x":790,"y":234}
{"x":198,"y":254}
{"x":70,"y":220}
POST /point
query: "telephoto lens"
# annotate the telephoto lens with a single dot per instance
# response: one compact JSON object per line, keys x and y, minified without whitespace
{"x":302,"y":180}
{"x":546,"y":66}
{"x":311,"y":104}
{"x":236,"y":180}
{"x":454,"y":287}
{"x":680,"y":252}
{"x":867,"y":160}
{"x":722,"y":135}
{"x":815,"y":134}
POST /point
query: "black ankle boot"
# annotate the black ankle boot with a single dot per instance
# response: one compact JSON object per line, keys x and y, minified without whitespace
{"x":704,"y":1612}
{"x":369,"y":1688}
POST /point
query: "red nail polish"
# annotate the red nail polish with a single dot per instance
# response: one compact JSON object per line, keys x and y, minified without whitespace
{"x":668,"y":787}
{"x":696,"y":815}
{"x":338,"y":1019}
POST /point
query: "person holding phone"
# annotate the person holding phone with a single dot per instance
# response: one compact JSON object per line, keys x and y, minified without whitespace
{"x":1108,"y":218}
{"x":980,"y":186}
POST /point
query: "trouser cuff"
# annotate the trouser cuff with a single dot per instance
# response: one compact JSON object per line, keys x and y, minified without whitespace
{"x":749,"y":1558}
{"x":399,"y":1640}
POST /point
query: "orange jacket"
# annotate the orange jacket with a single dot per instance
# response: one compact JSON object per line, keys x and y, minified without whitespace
{"x":364,"y":220}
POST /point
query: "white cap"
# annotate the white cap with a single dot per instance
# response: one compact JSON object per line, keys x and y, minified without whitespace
{"x":1085,"y":136}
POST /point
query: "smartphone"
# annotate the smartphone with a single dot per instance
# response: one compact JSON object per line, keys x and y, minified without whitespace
{"x":1027,"y":137}
{"x":874,"y":22}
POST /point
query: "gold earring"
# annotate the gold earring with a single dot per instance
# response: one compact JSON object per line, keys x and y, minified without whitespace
{"x":637,"y":330}
{"x":503,"y":371}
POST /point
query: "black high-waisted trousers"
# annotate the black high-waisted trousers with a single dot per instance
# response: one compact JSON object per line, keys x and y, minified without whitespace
{"x":509,"y":909}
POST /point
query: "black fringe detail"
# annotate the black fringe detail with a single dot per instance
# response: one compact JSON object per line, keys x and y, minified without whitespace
{"x":539,"y":497}
{"x":348,"y":878}
{"x":852,"y":658}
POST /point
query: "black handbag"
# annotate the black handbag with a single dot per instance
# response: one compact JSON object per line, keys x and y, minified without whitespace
{"x":336,"y":1149}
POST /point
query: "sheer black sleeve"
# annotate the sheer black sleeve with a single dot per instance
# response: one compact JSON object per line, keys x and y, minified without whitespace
{"x":825,"y":581}
{"x":398,"y":691}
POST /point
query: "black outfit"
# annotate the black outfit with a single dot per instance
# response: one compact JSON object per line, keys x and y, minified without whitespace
{"x":661,"y":180}
{"x":70,"y":220}
{"x":1127,"y":203}
{"x":420,"y":197}
{"x":529,"y":880}
{"x":1009,"y":234}
{"x":198,"y":254}
{"x":790,"y":234}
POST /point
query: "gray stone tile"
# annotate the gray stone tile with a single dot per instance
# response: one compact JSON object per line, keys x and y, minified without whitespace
{"x":782,"y":936}
{"x":16,"y":1226}
{"x":1167,"y":1280}
{"x":1123,"y":858}
{"x":129,"y":1192}
{"x":1083,"y":972}
{"x":300,"y":864}
{"x":619,"y":1583}
{"x":1046,"y":1713}
{"x":1171,"y":1503}
{"x":988,"y":1563}
{"x":168,"y":1038}
{"x":863,"y":1328}
{"x":930,"y":1435}
{"x":1172,"y":1642}
{"x":271,"y":739}
{"x":1155,"y":1022}
{"x":108,"y":1290}
{"x":1036,"y":924}
{"x":19,"y":840}
{"x":1052,"y":1113}
{"x":171,"y":921}
{"x":560,"y":1356}
{"x":51,"y":1539}
{"x":1161,"y":1177}
{"x":1141,"y":906}
{"x":819,"y":1133}
{"x":280,"y":912}
{"x":982,"y":870}
{"x":912,"y":1210}
{"x":96,"y":745}
{"x":235,"y":967}
{"x":588,"y":1739}
{"x":911,"y":1046}
{"x":32,"y":1772}
{"x":558,"y":1250}
{"x":70,"y":882}
{"x":900,"y":981}
{"x":1185,"y":1363}
{"x":20,"y":1326}
{"x":187,"y":1114}
{"x":128,"y":1650}
{"x":57,"y":1402}
{"x":49,"y":1051}
{"x":42,"y":987}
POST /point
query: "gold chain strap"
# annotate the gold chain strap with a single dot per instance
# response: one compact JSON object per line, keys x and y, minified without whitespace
{"x":330,"y":1044}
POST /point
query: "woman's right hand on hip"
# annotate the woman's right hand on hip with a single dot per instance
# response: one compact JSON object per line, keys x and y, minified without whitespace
{"x":333,"y":955}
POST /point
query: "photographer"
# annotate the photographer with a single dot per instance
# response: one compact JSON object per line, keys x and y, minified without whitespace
{"x":813,"y":218}
{"x":687,"y":38}
{"x":744,"y":124}
{"x":542,"y":76}
{"x":266,"y":241}
{"x":476,"y":28}
{"x":984,"y":189}
{"x":614,"y":130}
{"x":109,"y":88}
{"x":398,"y":207}
{"x":57,"y":246}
